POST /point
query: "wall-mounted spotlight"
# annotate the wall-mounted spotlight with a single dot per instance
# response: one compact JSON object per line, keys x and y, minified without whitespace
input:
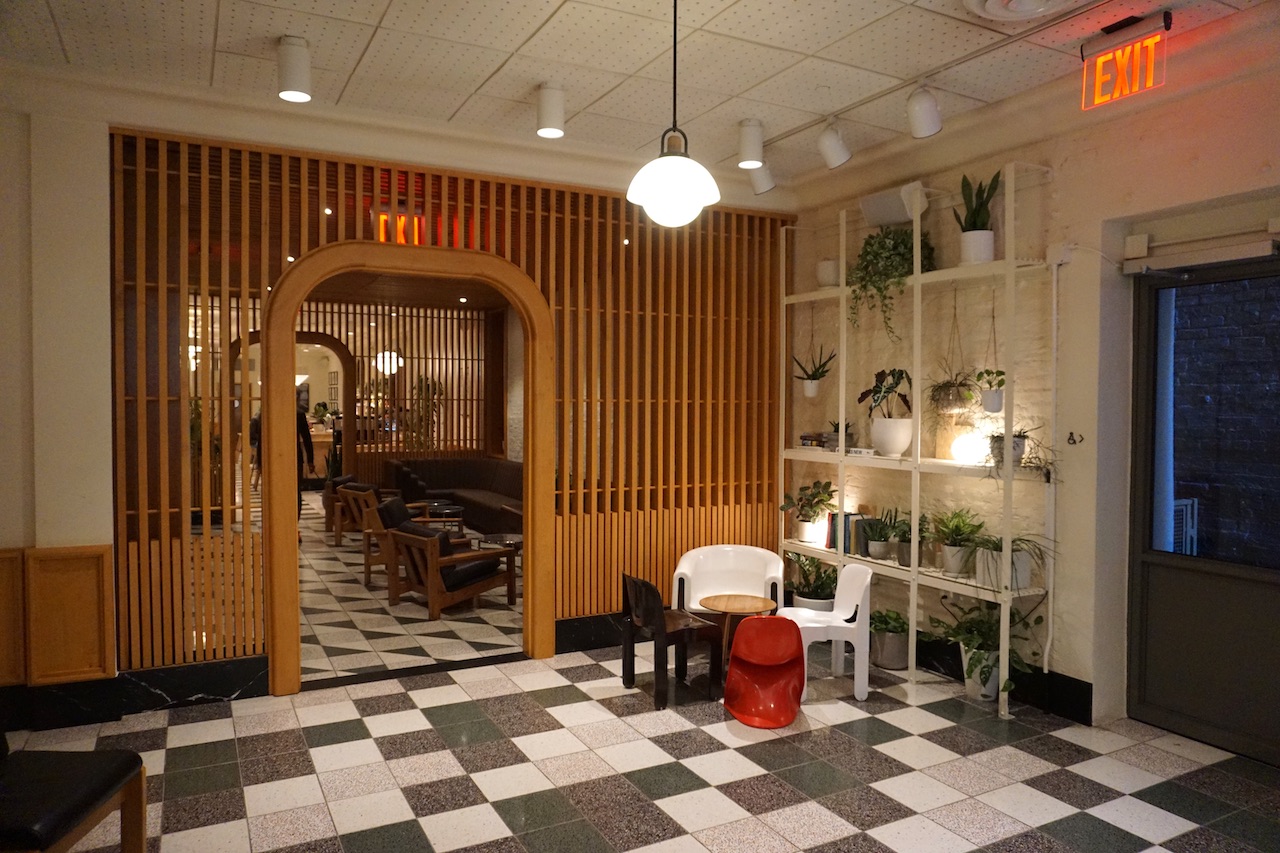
{"x":761,"y":179}
{"x":293,"y":67}
{"x":750,"y":144}
{"x":832,"y":148}
{"x":550,"y":111}
{"x":923,"y":115}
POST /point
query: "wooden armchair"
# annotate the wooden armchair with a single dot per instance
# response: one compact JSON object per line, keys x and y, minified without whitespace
{"x":447,"y":576}
{"x":386,"y":517}
{"x":333,"y":508}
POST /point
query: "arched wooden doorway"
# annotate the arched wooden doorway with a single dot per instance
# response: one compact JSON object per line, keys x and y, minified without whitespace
{"x":345,"y":357}
{"x":279,"y":461}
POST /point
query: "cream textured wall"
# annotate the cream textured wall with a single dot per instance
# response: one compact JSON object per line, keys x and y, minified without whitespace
{"x":17,"y":508}
{"x":71,"y":331}
{"x":1209,"y":134}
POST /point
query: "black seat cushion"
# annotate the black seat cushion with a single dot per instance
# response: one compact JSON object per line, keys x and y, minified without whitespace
{"x":393,"y":513}
{"x":45,"y":795}
{"x":465,"y":574}
{"x":344,"y":480}
{"x":413,"y":528}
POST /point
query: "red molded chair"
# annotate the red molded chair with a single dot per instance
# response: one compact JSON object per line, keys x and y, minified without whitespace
{"x":766,"y":672}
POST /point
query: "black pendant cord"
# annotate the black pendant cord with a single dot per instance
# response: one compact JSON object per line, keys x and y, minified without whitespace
{"x":675,"y":66}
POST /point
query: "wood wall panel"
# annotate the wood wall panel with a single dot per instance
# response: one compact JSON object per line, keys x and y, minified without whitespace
{"x":70,"y":606}
{"x":13,"y":646}
{"x":665,"y":366}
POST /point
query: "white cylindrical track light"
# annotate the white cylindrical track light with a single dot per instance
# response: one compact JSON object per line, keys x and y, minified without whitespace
{"x":832,"y":148}
{"x":293,"y":68}
{"x":923,"y":115}
{"x":750,"y":144}
{"x":550,"y":111}
{"x":761,"y":179}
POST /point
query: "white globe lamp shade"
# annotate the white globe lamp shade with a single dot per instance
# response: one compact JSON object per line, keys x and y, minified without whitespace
{"x":673,"y":188}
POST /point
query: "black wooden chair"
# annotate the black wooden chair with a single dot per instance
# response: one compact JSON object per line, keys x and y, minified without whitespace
{"x":644,"y":613}
{"x":50,"y":800}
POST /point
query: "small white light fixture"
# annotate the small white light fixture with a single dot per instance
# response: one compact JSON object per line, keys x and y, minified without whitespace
{"x":550,"y":111}
{"x":293,"y":67}
{"x":761,"y":179}
{"x":462,"y":299}
{"x":750,"y":144}
{"x":388,"y":362}
{"x":970,"y":448}
{"x":673,"y":187}
{"x":832,"y":148}
{"x":923,"y":115}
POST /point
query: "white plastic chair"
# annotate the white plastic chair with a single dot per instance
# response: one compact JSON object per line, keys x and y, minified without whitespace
{"x":853,"y":593}
{"x":726,"y":569}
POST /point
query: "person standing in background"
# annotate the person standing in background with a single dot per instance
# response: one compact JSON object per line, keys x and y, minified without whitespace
{"x":255,"y":452}
{"x":306,"y":453}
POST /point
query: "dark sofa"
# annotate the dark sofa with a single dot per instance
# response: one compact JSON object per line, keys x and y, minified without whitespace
{"x":490,"y":491}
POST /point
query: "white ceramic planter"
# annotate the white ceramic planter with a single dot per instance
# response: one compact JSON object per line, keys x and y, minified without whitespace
{"x":810,"y":387}
{"x":977,"y":247}
{"x":954,"y":561}
{"x":987,"y":691}
{"x":824,"y":604}
{"x":810,"y":532}
{"x":891,"y":436}
{"x":993,"y":400}
{"x":988,"y":569}
{"x":1019,"y":449}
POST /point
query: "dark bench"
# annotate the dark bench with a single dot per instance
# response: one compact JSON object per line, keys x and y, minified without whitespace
{"x":490,"y":491}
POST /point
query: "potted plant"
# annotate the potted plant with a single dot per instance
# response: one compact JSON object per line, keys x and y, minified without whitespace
{"x":977,"y":240}
{"x":880,"y":273}
{"x":889,"y":639}
{"x":890,"y":436}
{"x":1027,"y":553}
{"x":815,"y":586}
{"x":977,"y":631}
{"x":995,"y":441}
{"x":810,"y":502}
{"x":991,"y":387}
{"x":956,"y":531}
{"x":816,"y":368}
{"x":832,"y":439}
{"x":954,"y":392}
{"x":878,"y":532}
{"x":905,"y":536}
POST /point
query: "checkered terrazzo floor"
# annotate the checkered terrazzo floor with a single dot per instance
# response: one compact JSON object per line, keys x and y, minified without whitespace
{"x":348,"y":628}
{"x":557,"y":756}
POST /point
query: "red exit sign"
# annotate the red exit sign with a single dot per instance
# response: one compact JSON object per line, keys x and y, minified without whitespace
{"x":1135,"y":65}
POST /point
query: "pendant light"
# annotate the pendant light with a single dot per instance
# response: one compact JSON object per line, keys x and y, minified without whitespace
{"x":550,"y":111}
{"x":293,"y":67}
{"x":923,"y":115}
{"x":673,"y":187}
{"x":832,"y":148}
{"x":750,"y":144}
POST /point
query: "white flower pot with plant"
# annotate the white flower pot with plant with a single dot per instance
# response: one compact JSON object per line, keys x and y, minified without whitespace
{"x":977,"y":240}
{"x":991,"y":385}
{"x":1028,"y":554}
{"x":956,"y":531}
{"x":976,"y":630}
{"x":816,"y":368}
{"x":815,"y":584}
{"x":810,"y":503}
{"x":889,"y":639}
{"x":878,"y":532}
{"x":890,"y":436}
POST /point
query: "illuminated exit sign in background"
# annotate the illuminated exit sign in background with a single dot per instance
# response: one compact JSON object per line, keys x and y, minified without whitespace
{"x":1124,"y":69}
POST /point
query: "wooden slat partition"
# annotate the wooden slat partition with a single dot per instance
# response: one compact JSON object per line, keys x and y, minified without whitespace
{"x":666,"y":368}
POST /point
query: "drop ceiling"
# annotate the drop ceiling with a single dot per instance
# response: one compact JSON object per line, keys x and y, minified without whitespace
{"x":476,"y":65}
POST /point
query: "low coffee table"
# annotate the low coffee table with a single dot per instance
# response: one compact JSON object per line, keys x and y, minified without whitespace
{"x":445,"y":515}
{"x":514,"y":541}
{"x":732,"y":605}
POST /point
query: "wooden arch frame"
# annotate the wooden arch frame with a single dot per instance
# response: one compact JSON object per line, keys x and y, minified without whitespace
{"x":284,"y":645}
{"x":338,"y":348}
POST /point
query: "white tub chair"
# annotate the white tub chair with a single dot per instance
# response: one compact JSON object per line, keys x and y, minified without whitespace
{"x":853,"y":594}
{"x":726,"y":569}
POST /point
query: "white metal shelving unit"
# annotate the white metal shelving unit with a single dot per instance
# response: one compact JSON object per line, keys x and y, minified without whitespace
{"x":1009,"y":271}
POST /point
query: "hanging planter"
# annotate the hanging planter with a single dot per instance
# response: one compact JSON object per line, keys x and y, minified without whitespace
{"x":991,"y":385}
{"x":817,"y":367}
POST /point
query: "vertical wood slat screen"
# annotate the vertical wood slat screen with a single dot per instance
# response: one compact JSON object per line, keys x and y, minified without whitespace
{"x":665,"y":369}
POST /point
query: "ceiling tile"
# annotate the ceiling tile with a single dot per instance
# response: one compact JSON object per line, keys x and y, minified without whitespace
{"x":190,"y":24}
{"x":1012,"y":69}
{"x":498,"y":115}
{"x":1069,"y":35}
{"x":956,"y":9}
{"x":248,"y":75}
{"x":649,"y":101}
{"x":693,"y":13}
{"x":716,"y":130}
{"x":806,"y":28}
{"x":909,"y":42}
{"x":721,"y":63}
{"x":789,"y":163}
{"x":519,"y":78}
{"x":890,"y":111}
{"x":253,"y":30}
{"x":504,"y":24}
{"x":820,"y":86}
{"x":360,"y":11}
{"x":113,"y":52}
{"x":616,"y":133}
{"x":402,"y":61}
{"x":28,"y":34}
{"x":600,"y":38}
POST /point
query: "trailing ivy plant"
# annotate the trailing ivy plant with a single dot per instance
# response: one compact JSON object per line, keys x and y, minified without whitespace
{"x":881,"y":270}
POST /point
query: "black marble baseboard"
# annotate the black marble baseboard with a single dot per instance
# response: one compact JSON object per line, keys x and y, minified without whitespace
{"x":1053,"y":692}
{"x":83,"y":702}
